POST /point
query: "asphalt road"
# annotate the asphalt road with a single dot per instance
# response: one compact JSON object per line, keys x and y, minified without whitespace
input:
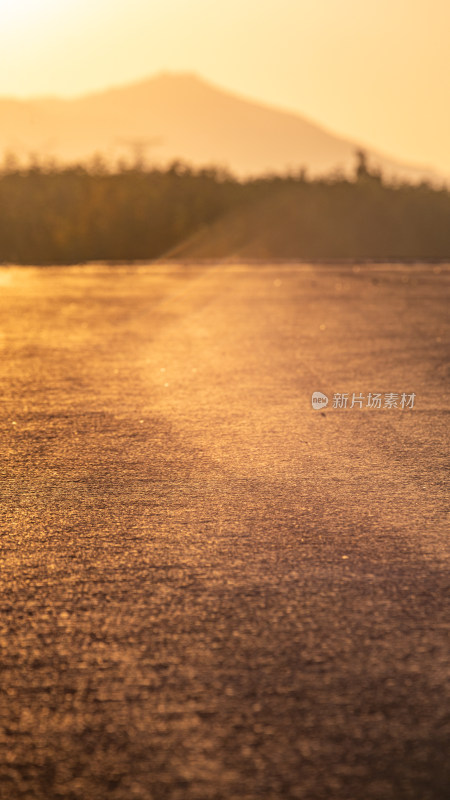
{"x":210,"y":590}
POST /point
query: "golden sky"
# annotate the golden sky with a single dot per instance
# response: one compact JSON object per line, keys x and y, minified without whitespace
{"x":377,"y":71}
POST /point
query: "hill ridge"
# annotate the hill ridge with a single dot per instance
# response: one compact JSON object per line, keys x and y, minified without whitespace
{"x":177,"y":115}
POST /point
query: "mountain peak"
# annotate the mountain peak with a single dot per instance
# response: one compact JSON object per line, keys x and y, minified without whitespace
{"x":178,"y":115}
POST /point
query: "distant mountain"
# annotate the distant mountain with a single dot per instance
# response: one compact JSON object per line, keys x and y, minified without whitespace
{"x":179,"y":116}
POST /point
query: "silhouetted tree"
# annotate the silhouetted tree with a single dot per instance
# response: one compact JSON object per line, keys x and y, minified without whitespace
{"x":67,"y":214}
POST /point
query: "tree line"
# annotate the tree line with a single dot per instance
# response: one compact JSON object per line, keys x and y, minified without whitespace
{"x":85,"y":212}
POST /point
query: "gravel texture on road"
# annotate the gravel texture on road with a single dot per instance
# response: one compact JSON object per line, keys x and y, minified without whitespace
{"x":210,"y":590}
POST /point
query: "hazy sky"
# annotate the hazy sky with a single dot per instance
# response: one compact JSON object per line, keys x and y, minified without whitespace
{"x":376,"y":70}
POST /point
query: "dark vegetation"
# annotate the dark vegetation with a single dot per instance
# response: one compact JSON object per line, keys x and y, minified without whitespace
{"x":69,"y":214}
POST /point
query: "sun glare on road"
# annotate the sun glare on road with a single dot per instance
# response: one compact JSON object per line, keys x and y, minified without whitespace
{"x":5,"y":278}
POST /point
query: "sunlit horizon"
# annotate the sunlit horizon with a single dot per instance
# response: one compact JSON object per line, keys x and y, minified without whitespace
{"x":378,"y":75}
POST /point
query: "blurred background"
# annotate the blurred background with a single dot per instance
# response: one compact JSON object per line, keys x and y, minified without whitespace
{"x":240,"y":93}
{"x":378,"y":73}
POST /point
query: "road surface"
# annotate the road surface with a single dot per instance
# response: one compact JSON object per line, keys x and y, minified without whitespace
{"x":210,"y":590}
